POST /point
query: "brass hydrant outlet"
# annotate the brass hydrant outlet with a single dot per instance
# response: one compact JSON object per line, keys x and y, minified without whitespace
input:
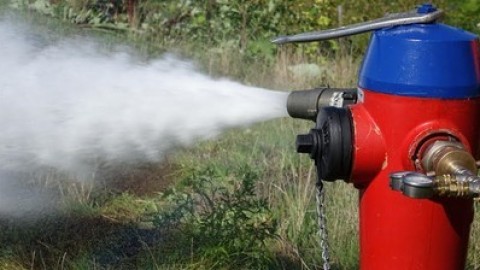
{"x":454,"y":170}
{"x":447,"y":157}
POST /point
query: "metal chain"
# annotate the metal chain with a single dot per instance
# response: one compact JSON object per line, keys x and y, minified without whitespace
{"x":322,"y":225}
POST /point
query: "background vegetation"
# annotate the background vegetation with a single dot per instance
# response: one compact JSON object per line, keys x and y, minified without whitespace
{"x":244,"y":200}
{"x":245,"y":24}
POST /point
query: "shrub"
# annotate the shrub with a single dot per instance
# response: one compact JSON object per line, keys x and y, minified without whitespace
{"x":226,"y":224}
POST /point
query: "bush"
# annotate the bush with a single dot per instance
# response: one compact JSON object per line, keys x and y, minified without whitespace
{"x":226,"y":224}
{"x":244,"y":25}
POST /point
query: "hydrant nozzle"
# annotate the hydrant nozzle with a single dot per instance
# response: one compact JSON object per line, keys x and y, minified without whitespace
{"x":305,"y":104}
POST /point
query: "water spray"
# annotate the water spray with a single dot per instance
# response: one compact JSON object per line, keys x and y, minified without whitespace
{"x":68,"y":107}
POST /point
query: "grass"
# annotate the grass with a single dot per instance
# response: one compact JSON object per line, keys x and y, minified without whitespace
{"x":116,"y":224}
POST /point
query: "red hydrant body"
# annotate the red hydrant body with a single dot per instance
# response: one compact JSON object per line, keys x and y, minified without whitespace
{"x":414,"y":129}
{"x":418,"y":84}
{"x":397,"y":232}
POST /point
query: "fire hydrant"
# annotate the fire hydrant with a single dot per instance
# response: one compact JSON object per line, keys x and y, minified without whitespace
{"x":407,"y":137}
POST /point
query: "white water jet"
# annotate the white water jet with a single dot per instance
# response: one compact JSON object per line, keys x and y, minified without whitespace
{"x":65,"y":106}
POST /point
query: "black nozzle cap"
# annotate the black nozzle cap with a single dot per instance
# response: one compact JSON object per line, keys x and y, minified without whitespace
{"x":308,"y":143}
{"x":305,"y":143}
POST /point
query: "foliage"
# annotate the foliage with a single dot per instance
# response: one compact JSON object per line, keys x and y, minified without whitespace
{"x":465,"y":14}
{"x":227,"y":223}
{"x":246,"y":26}
{"x":217,"y":21}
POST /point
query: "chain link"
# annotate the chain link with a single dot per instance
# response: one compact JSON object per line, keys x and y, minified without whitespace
{"x":322,"y":225}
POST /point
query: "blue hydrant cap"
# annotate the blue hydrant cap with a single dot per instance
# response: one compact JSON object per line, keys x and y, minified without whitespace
{"x":426,"y":8}
{"x":422,"y":60}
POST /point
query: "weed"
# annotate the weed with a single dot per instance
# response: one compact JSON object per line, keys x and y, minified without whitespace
{"x":227,"y":223}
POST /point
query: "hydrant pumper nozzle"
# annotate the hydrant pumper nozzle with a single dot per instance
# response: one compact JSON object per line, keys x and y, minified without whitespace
{"x":413,"y":163}
{"x":305,"y":104}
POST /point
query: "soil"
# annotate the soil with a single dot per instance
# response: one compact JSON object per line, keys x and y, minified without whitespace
{"x":138,"y":179}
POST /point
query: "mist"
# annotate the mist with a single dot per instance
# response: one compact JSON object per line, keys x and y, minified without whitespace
{"x":65,"y":105}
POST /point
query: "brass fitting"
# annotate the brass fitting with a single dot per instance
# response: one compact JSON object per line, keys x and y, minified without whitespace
{"x":450,"y":186}
{"x":454,"y":169}
{"x":447,"y":157}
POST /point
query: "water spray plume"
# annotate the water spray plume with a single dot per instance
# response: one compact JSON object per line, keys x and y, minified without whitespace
{"x":65,"y":105}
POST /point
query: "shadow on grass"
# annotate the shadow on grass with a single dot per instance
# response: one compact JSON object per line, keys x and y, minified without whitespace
{"x":47,"y":235}
{"x":90,"y":238}
{"x":71,"y":242}
{"x":76,"y":242}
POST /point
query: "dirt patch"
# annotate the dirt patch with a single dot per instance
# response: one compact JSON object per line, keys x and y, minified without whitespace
{"x":138,"y":179}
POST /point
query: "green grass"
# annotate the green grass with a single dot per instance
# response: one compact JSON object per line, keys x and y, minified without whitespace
{"x":117,"y":230}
